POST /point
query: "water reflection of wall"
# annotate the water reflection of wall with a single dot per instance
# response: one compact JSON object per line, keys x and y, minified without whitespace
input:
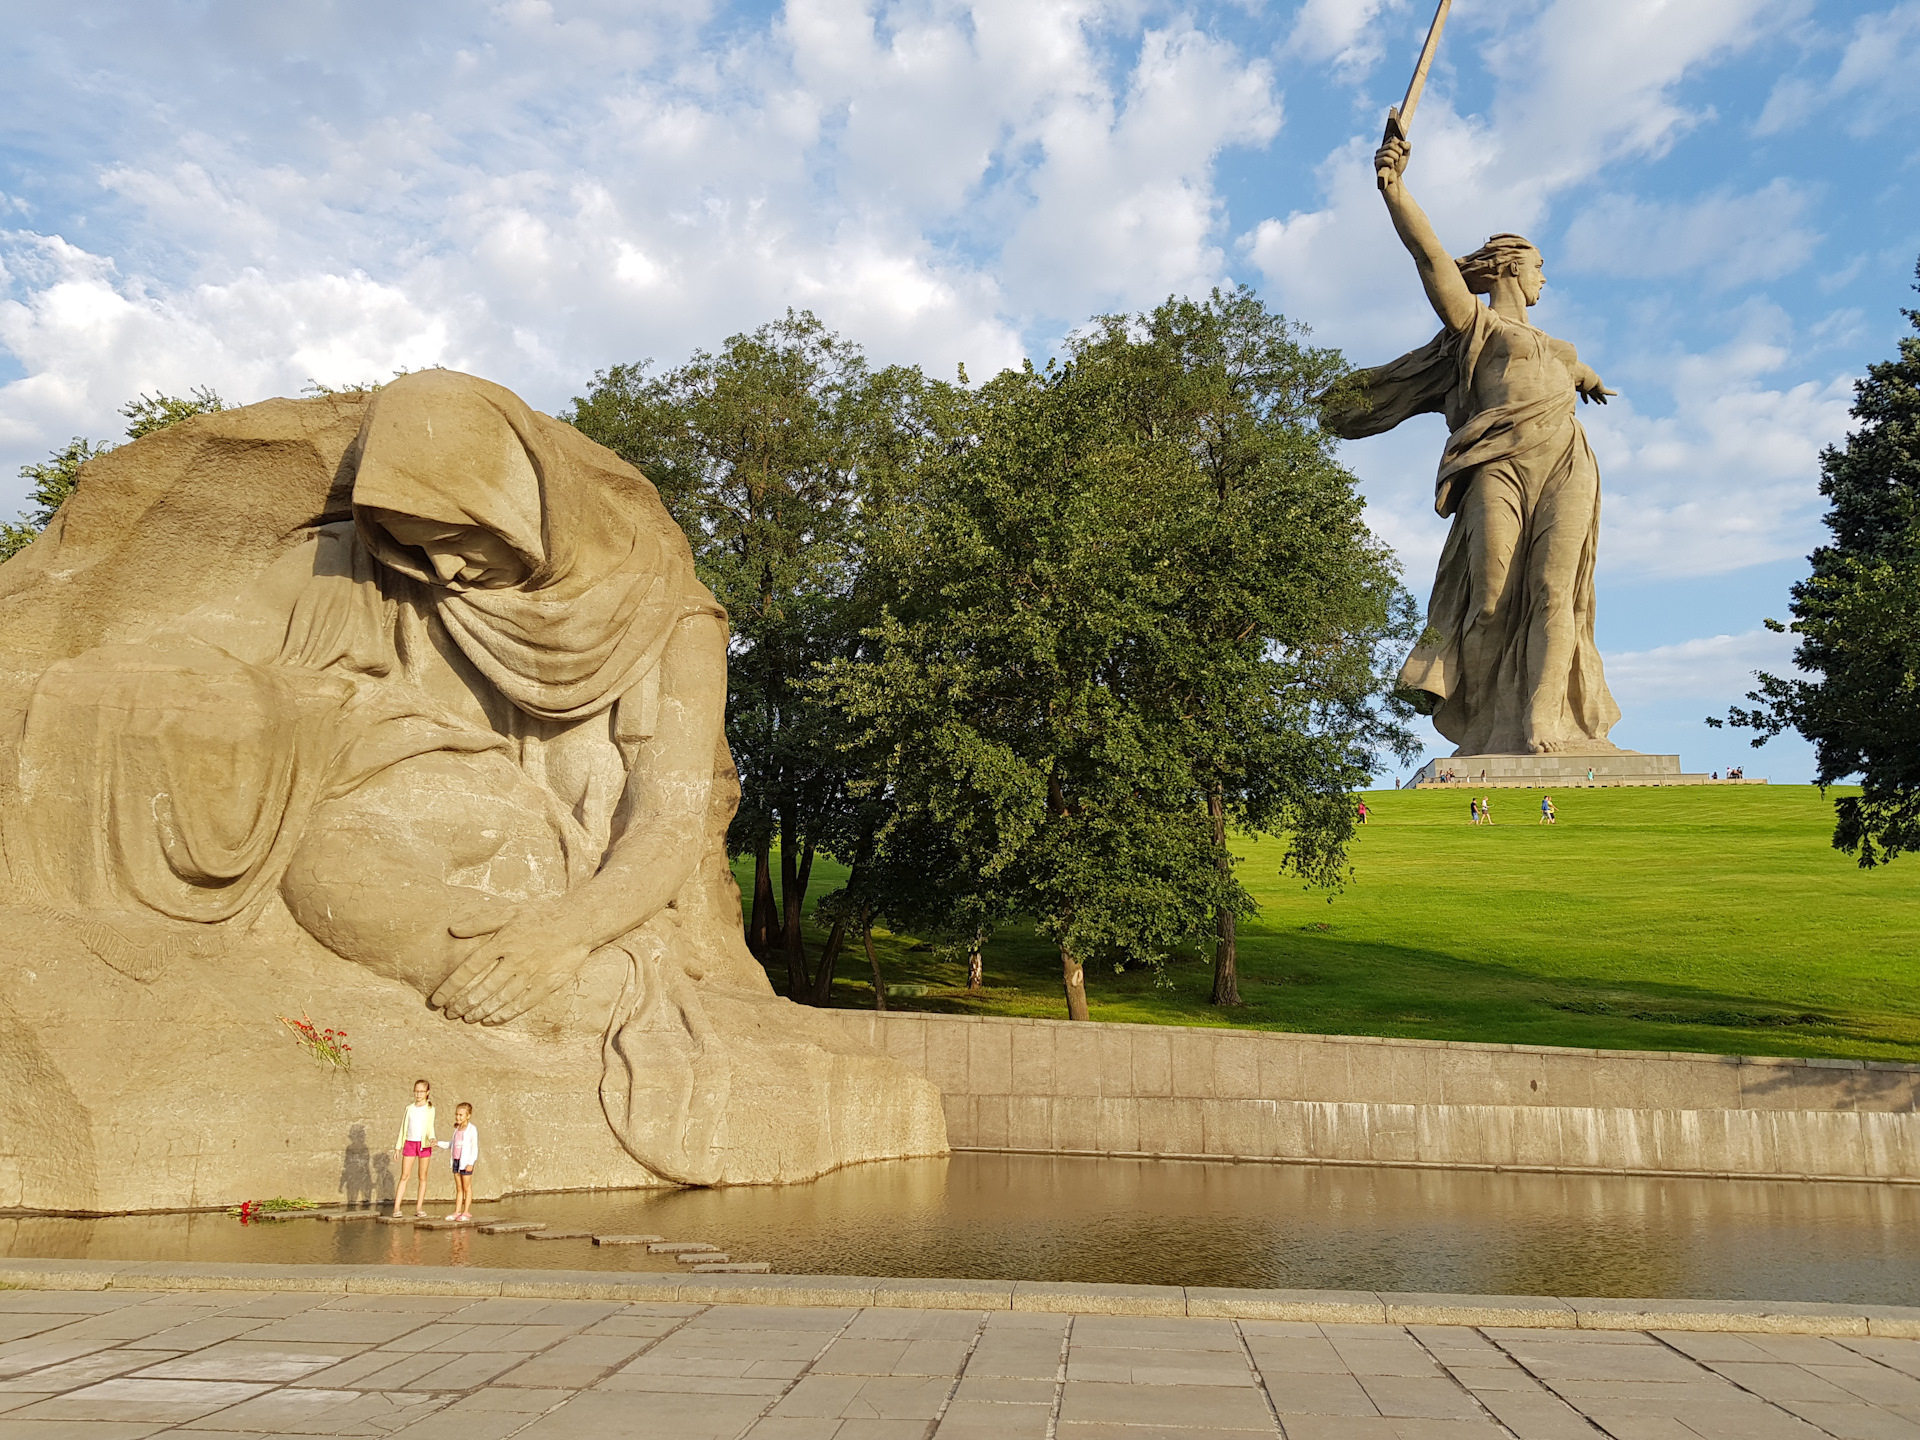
{"x":1053,"y":1087}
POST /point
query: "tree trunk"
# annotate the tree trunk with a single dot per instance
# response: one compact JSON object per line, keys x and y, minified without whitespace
{"x":764,"y":923}
{"x":829,"y":958}
{"x":1075,"y":979}
{"x":1226,"y":949}
{"x":976,"y":967}
{"x":873,"y":961}
{"x":793,"y":902}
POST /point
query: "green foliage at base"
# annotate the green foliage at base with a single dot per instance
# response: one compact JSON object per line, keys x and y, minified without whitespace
{"x":1708,"y":919}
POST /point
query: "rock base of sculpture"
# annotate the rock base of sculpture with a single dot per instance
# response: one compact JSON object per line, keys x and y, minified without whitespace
{"x":168,"y":1092}
{"x":1568,"y":771}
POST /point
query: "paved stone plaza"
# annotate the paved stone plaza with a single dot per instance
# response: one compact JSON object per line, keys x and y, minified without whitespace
{"x":119,"y":1364}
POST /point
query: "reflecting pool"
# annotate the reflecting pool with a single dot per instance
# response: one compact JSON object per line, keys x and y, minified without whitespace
{"x":1154,"y":1222}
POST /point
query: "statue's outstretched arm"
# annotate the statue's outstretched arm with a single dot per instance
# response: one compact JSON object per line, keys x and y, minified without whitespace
{"x":1451,"y":299}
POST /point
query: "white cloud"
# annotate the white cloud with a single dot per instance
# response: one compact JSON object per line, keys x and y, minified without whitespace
{"x":536,"y":191}
{"x":1872,"y":82}
{"x":1729,"y":239}
{"x":1728,"y":479}
{"x":1346,"y":32}
{"x":1711,"y":669}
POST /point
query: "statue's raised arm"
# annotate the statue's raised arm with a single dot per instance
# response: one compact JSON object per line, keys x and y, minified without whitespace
{"x":1452,"y":301}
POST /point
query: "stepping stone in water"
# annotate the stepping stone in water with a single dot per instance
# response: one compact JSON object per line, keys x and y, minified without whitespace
{"x":347,"y":1215}
{"x":755,"y":1267}
{"x":625,"y":1239}
{"x":511,"y":1227}
{"x":443,"y":1225}
{"x":678,"y":1247}
{"x":396,"y":1219}
{"x":559,"y":1234}
{"x":702,"y":1257}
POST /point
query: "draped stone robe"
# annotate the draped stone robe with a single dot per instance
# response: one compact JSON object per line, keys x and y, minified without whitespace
{"x":1481,"y":669}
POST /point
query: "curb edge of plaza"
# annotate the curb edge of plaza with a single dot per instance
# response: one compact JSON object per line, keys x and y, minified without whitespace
{"x":1347,"y":1307}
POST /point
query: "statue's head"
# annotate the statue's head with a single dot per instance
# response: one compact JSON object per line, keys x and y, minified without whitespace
{"x":1504,"y":256}
{"x":446,"y":490}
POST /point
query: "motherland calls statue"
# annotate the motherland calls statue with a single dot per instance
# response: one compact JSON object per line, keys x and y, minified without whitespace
{"x":1508,"y":664}
{"x":406,"y":711}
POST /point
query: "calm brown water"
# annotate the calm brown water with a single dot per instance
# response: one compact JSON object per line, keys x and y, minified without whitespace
{"x":1157,"y":1222}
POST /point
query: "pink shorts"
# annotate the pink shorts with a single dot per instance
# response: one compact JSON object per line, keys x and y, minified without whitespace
{"x":417,"y":1147}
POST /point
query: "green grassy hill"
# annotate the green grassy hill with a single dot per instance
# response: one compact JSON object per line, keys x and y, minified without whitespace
{"x":1679,"y":919}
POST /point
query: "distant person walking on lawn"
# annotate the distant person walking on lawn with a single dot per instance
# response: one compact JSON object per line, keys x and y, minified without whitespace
{"x":415,"y":1147}
{"x":463,"y":1153}
{"x":1546,"y":811}
{"x":1486,"y":810}
{"x":1361,"y":812}
{"x":1473,"y":810}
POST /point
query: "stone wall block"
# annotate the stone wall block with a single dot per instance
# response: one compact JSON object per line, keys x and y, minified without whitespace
{"x":1280,"y":1062}
{"x":1563,"y":1079}
{"x":1411,"y":1076}
{"x":1076,"y":1061}
{"x":1032,"y":1058}
{"x":992,"y":1129}
{"x":1116,"y":1126}
{"x":990,"y":1059}
{"x":1236,"y":1127}
{"x":1536,"y":1136}
{"x":1193,"y":1063}
{"x":1289,"y":1130}
{"x":1076,"y":1122}
{"x":960,"y":1114}
{"x":1030,"y":1122}
{"x":901,"y":1036}
{"x":1169,"y":1126}
{"x":1891,"y":1143}
{"x":1236,"y":1064}
{"x":1396,"y":1134}
{"x":1153,"y":1061}
{"x":947,"y":1058}
{"x":1466,"y":1077}
{"x":1115,"y":1062}
{"x":1323,"y":1074}
{"x":1773,"y":1085}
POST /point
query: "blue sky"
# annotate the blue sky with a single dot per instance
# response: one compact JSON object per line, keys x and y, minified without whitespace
{"x":252,"y":196}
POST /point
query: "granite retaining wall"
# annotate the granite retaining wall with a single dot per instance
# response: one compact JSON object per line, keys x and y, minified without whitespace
{"x":1054,"y":1087}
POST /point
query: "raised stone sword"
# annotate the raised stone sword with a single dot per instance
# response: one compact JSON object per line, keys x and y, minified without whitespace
{"x":1400,"y":119}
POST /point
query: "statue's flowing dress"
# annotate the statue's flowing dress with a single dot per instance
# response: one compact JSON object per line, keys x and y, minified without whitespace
{"x":1484,"y":668}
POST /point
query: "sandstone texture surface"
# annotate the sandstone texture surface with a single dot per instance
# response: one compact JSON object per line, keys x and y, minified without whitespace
{"x":404,"y":712}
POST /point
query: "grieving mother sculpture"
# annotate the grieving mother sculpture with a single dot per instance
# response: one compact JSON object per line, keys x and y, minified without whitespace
{"x":1508,"y":664}
{"x":440,"y":752}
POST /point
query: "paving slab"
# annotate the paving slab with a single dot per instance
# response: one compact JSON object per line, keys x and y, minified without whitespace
{"x":475,"y":1353}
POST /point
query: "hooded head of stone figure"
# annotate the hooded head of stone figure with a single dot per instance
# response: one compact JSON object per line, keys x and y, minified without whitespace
{"x":446,"y":475}
{"x":1504,"y":256}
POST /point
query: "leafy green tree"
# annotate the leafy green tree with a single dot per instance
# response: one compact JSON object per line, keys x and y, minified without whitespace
{"x":55,"y":478}
{"x":763,"y":453}
{"x":1858,"y":619}
{"x":1097,"y":652}
{"x":1276,"y":647}
{"x":148,"y":413}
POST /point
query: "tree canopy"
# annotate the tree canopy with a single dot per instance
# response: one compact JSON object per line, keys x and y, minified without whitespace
{"x":1136,"y":605}
{"x":1858,"y":618}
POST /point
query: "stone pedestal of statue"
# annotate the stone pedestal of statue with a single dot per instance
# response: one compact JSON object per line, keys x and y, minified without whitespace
{"x":1564,"y":771}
